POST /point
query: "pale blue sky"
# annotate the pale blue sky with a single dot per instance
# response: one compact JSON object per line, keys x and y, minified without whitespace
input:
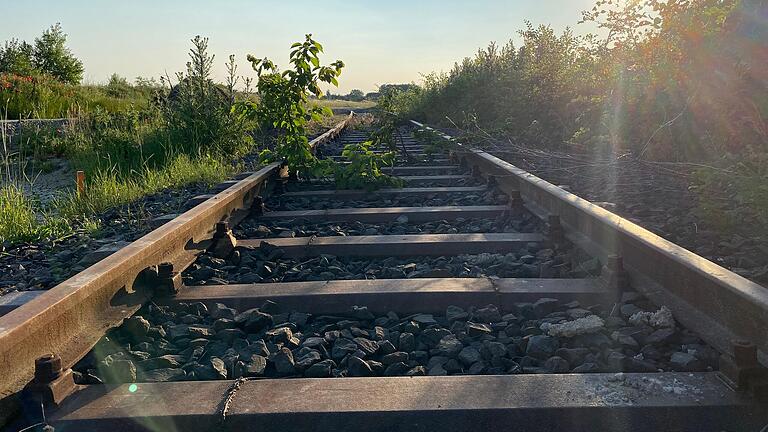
{"x":380,"y":41}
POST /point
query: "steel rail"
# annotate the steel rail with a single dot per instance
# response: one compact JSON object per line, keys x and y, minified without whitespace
{"x":718,"y":304}
{"x":69,"y":319}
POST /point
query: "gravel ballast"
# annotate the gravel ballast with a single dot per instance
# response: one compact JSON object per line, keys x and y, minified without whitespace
{"x":268,"y":264}
{"x":193,"y":342}
{"x":255,"y":228}
{"x":490,"y":197}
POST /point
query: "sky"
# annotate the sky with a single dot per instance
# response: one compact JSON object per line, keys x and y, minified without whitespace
{"x":381,"y":42}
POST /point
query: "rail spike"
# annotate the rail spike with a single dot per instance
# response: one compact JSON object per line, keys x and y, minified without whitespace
{"x":555,"y":231}
{"x":168,"y":280}
{"x":614,"y":275}
{"x":51,"y":384}
{"x":224,"y":242}
{"x":516,"y":202}
{"x":743,"y":372}
{"x":257,"y":205}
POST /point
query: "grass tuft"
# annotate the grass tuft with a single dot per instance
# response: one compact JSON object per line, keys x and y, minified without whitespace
{"x":22,"y":221}
{"x":107,"y":189}
{"x":18,"y":221}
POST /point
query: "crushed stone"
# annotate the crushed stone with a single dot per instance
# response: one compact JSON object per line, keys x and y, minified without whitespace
{"x":587,"y":324}
{"x":661,"y":318}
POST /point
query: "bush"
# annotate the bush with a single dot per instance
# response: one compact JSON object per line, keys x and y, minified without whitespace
{"x":117,"y":86}
{"x":39,"y":96}
{"x":16,"y":58}
{"x":199,"y":113}
{"x":356,"y":95}
{"x":647,"y":88}
{"x":364,"y":168}
{"x":283,"y":110}
{"x":125,"y":142}
{"x":51,"y":56}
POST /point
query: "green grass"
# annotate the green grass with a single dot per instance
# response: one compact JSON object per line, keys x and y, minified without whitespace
{"x":96,"y":97}
{"x":18,"y":219}
{"x":107,"y":189}
{"x":124,"y":160}
{"x":43,"y":97}
{"x":125,"y":157}
{"x":128,"y":150}
{"x":21,"y":220}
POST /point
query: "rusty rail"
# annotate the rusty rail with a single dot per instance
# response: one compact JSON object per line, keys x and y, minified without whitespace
{"x":70,"y":318}
{"x":714,"y":302}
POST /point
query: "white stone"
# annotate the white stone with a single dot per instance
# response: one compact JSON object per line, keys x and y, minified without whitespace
{"x":588,"y":324}
{"x":661,"y":318}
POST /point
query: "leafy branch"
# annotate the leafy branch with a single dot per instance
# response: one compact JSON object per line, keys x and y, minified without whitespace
{"x":364,"y":168}
{"x":283,"y":107}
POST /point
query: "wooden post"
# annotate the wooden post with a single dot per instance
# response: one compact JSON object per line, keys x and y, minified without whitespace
{"x":80,"y":183}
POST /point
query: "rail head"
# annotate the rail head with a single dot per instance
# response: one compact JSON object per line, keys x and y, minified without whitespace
{"x":333,"y":132}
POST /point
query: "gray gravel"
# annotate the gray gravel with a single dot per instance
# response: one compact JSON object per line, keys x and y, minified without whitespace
{"x":455,"y":199}
{"x":193,"y":342}
{"x":268,"y":264}
{"x":255,"y":228}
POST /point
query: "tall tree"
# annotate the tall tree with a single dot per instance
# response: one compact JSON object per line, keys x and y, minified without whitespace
{"x":50,"y":55}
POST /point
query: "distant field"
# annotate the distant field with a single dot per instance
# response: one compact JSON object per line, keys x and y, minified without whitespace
{"x":344,"y":104}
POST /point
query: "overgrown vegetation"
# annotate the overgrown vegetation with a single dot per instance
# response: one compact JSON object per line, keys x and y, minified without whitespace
{"x":283,"y":111}
{"x":677,"y":81}
{"x":186,"y":134}
{"x":646,"y":88}
{"x":137,"y":139}
{"x":109,"y":189}
{"x":42,"y":80}
{"x":20,"y":219}
{"x":198,"y":113}
{"x":44,"y":97}
{"x":364,"y":168}
{"x":433,"y":144}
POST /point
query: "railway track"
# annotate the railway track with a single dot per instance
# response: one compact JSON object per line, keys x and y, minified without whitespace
{"x":476,"y":297}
